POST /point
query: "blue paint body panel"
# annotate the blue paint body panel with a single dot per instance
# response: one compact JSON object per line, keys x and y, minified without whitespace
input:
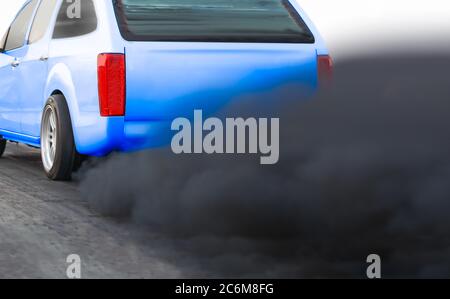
{"x":165,"y":80}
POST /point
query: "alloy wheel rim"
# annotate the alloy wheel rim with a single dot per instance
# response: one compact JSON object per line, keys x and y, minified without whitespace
{"x":49,"y":138}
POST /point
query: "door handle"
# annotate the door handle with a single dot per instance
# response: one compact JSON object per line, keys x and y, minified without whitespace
{"x":15,"y":63}
{"x":43,"y":58}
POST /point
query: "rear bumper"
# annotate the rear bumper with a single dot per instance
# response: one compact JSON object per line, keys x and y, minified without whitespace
{"x":108,"y":134}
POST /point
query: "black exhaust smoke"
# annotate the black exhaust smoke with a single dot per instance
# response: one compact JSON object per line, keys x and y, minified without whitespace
{"x":364,"y":168}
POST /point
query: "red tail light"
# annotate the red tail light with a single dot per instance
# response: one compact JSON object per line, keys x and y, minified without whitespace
{"x":325,"y":68}
{"x":111,"y":84}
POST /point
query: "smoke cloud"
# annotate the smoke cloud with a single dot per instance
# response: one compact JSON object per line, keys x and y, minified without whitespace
{"x":364,"y":168}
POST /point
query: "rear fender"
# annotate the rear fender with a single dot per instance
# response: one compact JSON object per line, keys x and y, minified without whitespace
{"x":60,"y":80}
{"x":93,"y":135}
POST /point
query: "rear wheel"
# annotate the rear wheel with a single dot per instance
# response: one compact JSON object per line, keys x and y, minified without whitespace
{"x":58,"y":152}
{"x":2,"y":146}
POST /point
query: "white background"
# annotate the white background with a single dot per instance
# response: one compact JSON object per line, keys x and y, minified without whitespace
{"x":352,"y":27}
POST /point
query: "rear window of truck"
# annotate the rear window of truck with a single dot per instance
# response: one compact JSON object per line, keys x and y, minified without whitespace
{"x":263,"y":21}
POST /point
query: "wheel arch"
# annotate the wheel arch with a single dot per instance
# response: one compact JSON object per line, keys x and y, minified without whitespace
{"x":60,"y":82}
{"x":93,"y":134}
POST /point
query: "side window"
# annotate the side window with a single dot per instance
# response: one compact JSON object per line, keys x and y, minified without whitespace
{"x":19,"y":27}
{"x":75,"y":18}
{"x":2,"y":42}
{"x":41,"y":20}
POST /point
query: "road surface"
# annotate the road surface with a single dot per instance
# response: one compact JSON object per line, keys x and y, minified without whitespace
{"x":43,"y":222}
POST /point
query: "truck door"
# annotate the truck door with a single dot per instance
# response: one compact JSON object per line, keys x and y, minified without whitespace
{"x":33,"y":70}
{"x":10,"y":58}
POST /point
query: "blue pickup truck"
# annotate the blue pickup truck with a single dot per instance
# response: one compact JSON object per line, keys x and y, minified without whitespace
{"x":92,"y":77}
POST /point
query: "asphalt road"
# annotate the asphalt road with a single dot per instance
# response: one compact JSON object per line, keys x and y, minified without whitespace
{"x":42,"y":222}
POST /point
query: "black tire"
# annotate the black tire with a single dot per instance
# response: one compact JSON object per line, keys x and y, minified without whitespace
{"x":66,"y":156}
{"x":2,"y":146}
